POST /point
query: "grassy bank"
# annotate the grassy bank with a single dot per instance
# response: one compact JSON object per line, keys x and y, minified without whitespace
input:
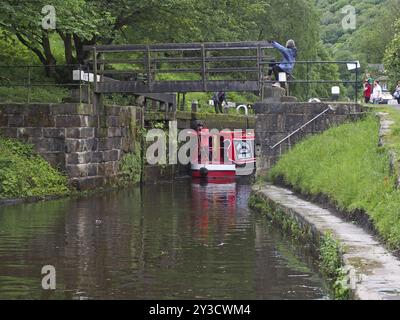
{"x":346,"y":164}
{"x":23,"y":173}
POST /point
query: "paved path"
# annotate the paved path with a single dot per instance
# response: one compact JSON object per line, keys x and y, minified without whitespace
{"x":374,"y":272}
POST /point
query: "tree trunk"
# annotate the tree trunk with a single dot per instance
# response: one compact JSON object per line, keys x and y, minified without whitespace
{"x":68,"y":48}
{"x":50,"y":60}
{"x":79,"y":43}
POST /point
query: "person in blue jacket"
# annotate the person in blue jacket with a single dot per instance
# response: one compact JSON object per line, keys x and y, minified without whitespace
{"x":289,"y":55}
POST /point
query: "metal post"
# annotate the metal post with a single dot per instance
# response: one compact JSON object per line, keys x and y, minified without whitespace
{"x":29,"y":84}
{"x":203,"y":68}
{"x":88,"y":83}
{"x":308,"y":80}
{"x":94,"y":69}
{"x":356,"y":82}
{"x":183,"y":101}
{"x":259,"y":68}
{"x":80,"y":83}
{"x":148,"y":68}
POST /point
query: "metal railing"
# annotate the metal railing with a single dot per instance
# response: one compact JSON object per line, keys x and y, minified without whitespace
{"x":44,"y":76}
{"x":330,"y":108}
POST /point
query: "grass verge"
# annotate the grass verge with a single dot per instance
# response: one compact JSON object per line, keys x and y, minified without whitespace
{"x":346,"y":165}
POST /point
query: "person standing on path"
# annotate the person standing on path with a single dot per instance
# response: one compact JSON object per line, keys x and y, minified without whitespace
{"x":218,"y":99}
{"x":367,"y":91}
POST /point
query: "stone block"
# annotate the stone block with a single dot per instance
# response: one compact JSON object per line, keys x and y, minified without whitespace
{"x":105,"y":144}
{"x":3,"y":119}
{"x":106,"y":169}
{"x":36,"y":108}
{"x":113,"y":121}
{"x":102,"y":121}
{"x":77,"y":171}
{"x":114,"y":110}
{"x":53,"y":132}
{"x":125,"y":132}
{"x":26,"y":133}
{"x":43,"y":145}
{"x":88,"y":183}
{"x":293,"y":122}
{"x":116,"y":143}
{"x":68,"y":121}
{"x":271,"y":122}
{"x":12,"y":108}
{"x":56,"y":159}
{"x":79,"y":158}
{"x":101,"y":132}
{"x":80,"y":145}
{"x":98,"y":156}
{"x":72,"y":109}
{"x":80,"y":133}
{"x":112,"y":155}
{"x":15,"y":120}
{"x":9,"y":132}
{"x":114,"y":132}
{"x":39,"y":119}
{"x":93,"y":169}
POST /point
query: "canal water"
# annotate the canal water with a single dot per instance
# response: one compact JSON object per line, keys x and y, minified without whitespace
{"x":168,"y":241}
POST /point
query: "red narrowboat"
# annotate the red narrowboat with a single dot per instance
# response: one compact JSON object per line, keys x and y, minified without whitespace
{"x":225,"y":154}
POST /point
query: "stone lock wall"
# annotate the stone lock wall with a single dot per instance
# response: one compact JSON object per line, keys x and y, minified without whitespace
{"x":86,"y":144}
{"x":275,"y":121}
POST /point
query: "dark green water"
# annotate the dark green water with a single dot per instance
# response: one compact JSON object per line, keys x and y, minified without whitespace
{"x":170,"y":241}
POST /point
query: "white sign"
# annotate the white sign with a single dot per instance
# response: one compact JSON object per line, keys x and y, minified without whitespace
{"x":79,"y":75}
{"x":353,"y":66}
{"x":282,"y":77}
{"x":335,"y":90}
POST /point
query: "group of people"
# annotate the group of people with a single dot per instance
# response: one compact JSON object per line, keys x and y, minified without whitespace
{"x":373,"y":91}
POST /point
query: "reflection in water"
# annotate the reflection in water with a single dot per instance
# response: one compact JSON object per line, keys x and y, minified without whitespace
{"x":169,"y":241}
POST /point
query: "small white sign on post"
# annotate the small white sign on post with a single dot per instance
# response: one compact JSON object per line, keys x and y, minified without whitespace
{"x":282,"y":77}
{"x":79,"y":75}
{"x":336,"y":91}
{"x":354,"y":65}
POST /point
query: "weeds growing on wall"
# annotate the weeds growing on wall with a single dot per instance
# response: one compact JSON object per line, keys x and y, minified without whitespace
{"x":23,"y":173}
{"x":131,"y":166}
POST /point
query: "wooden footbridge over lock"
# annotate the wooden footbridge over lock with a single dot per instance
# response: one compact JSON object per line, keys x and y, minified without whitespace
{"x":146,"y":70}
{"x":201,"y":67}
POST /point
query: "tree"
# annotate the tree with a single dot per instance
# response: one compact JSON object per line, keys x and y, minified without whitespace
{"x":392,"y":56}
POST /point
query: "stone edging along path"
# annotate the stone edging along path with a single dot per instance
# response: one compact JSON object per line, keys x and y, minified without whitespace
{"x":374,"y":273}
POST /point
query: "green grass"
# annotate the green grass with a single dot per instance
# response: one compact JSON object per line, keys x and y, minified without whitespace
{"x":35,"y":94}
{"x":346,"y":164}
{"x":23,"y":173}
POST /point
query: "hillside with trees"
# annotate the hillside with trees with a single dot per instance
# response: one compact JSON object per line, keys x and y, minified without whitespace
{"x":375,"y":29}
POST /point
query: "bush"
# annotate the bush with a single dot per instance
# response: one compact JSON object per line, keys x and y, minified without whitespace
{"x":23,"y":173}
